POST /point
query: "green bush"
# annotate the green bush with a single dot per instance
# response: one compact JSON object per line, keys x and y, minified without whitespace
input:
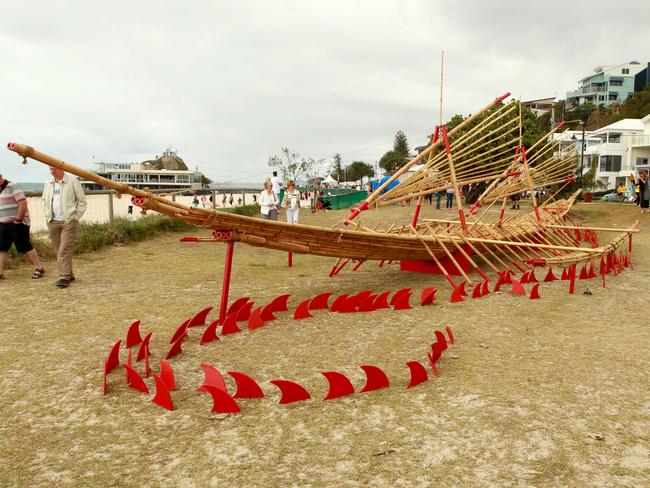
{"x":248,"y":210}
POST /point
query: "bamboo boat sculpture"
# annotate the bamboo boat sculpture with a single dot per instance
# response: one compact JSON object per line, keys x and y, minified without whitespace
{"x":484,"y":151}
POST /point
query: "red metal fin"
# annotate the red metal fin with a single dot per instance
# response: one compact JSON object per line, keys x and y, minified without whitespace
{"x":337,"y":303}
{"x":176,"y":347}
{"x":128,"y":363}
{"x":381,"y":301}
{"x":485,"y":288}
{"x":583,"y":273}
{"x":199,"y":317}
{"x":212,"y":378}
{"x":534,"y":292}
{"x":279,"y":303}
{"x":550,"y":276}
{"x":349,"y":305}
{"x":376,"y":379}
{"x":143,"y":345}
{"x":433,"y":358}
{"x":428,"y":296}
{"x":147,"y":368}
{"x":340,"y":385}
{"x":531,"y":276}
{"x":476,"y":292}
{"x":134,"y":380}
{"x":462,"y":288}
{"x":441,"y":340}
{"x":247,"y":387}
{"x":162,"y":397}
{"x":302,"y":311}
{"x":210,"y":333}
{"x":565,"y":274}
{"x":450,"y":334}
{"x":397,"y":295}
{"x":222,"y":402}
{"x":113,"y":358}
{"x":319,"y":302}
{"x":291,"y":392}
{"x":402,"y":302}
{"x":230,"y":325}
{"x":368,"y":305}
{"x":244,"y":312}
{"x":517,"y":289}
{"x":167,"y":374}
{"x":267,"y":313}
{"x":418,"y":373}
{"x":182,"y":329}
{"x":524,"y":278}
{"x":133,"y":335}
{"x":255,"y":320}
{"x":236,"y":305}
{"x":457,"y":295}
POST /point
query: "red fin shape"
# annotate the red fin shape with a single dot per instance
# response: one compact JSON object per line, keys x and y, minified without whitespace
{"x":531,"y":276}
{"x":133,"y":335}
{"x":179,"y":331}
{"x":457,"y":295}
{"x":476,"y":292}
{"x":462,"y":288}
{"x":236,"y":305}
{"x":349,"y":305}
{"x":319,"y":302}
{"x":418,"y":373}
{"x":244,"y":312}
{"x":230,"y":325}
{"x":376,"y":379}
{"x":255,"y":320}
{"x":534,"y":292}
{"x":134,"y":379}
{"x":162,"y":397}
{"x":199,"y":317}
{"x":434,"y":356}
{"x":340,"y":385}
{"x":441,"y":339}
{"x":167,"y":374}
{"x":565,"y":274}
{"x":279,"y":303}
{"x":550,"y":276}
{"x":210,"y":333}
{"x":381,"y":301}
{"x":302,"y":311}
{"x":291,"y":391}
{"x":524,"y":278}
{"x":428,"y":296}
{"x":147,"y":369}
{"x":450,"y":334}
{"x":267,"y":313}
{"x":222,"y":401}
{"x":368,"y":305}
{"x":517,"y":289}
{"x":337,"y":303}
{"x":583,"y":273}
{"x":397,"y":294}
{"x":113,"y":358}
{"x":402,"y":302}
{"x":247,"y":387}
{"x":212,"y":378}
{"x":176,"y":347}
{"x":143,"y":346}
{"x":485,"y":288}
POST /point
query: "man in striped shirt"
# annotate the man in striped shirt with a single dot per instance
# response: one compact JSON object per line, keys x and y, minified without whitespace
{"x":14,"y":226}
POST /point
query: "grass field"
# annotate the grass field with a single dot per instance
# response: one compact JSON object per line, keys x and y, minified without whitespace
{"x":550,"y":392}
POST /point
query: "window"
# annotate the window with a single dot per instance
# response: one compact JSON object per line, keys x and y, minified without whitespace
{"x":613,"y":96}
{"x":601,"y":98}
{"x":641,"y":161}
{"x":614,"y":137}
{"x":610,"y":163}
{"x":615,"y":82}
{"x":626,"y":71}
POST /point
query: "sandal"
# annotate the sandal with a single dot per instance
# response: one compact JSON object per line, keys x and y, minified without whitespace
{"x":38,"y":273}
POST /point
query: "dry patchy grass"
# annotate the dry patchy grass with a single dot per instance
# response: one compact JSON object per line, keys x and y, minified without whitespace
{"x":550,"y":392}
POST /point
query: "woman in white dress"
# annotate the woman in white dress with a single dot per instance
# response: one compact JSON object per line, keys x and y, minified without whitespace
{"x":291,"y":202}
{"x":269,"y":202}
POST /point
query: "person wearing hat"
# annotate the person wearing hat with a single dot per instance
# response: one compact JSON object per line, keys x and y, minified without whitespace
{"x":14,"y":226}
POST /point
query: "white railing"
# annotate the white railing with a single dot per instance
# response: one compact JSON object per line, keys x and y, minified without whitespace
{"x":641,"y":140}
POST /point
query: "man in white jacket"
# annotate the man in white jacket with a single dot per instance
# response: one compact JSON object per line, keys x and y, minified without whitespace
{"x":65,"y":204}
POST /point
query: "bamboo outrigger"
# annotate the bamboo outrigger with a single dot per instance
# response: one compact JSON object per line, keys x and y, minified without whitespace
{"x":484,"y":151}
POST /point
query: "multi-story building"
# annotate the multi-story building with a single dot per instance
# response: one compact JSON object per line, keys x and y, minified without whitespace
{"x":167,"y":172}
{"x":609,"y":84}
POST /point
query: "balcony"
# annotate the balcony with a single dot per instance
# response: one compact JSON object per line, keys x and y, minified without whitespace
{"x":640,"y":141}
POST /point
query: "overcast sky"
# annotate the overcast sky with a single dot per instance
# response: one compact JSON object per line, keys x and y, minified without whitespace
{"x":228,"y":83}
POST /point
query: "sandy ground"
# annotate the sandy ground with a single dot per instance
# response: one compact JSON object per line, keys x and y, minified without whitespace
{"x":552,"y":392}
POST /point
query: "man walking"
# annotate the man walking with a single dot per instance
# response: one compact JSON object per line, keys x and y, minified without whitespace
{"x":276,"y":184}
{"x":65,"y":204}
{"x":14,"y":226}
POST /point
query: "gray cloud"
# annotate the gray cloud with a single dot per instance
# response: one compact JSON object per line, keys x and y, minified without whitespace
{"x":229,"y":83}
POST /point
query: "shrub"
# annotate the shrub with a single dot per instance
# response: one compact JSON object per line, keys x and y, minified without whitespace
{"x":248,"y":210}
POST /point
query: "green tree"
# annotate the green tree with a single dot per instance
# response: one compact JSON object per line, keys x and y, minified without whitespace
{"x":358,"y":169}
{"x":397,"y":157}
{"x":337,"y":168}
{"x":292,"y":165}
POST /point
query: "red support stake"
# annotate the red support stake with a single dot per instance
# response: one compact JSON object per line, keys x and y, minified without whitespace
{"x":572,"y":279}
{"x":289,"y":259}
{"x":225,"y":288}
{"x":416,"y":216}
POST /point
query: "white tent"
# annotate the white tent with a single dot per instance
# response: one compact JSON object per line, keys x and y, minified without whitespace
{"x":329,"y":180}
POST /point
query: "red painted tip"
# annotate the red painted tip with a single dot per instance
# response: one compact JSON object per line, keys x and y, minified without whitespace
{"x":113,"y":359}
{"x":340,"y":385}
{"x":291,"y":391}
{"x":302,"y":311}
{"x":162,"y":397}
{"x":534,"y":292}
{"x":418,"y":373}
{"x":247,"y":387}
{"x":212,"y":378}
{"x":501,"y":98}
{"x":375,"y":378}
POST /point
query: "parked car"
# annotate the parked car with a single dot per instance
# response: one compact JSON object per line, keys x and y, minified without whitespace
{"x":610,"y":197}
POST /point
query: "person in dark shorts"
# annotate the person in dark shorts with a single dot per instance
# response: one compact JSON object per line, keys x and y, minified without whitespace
{"x":515,"y":201}
{"x":644,"y":191}
{"x":14,"y":226}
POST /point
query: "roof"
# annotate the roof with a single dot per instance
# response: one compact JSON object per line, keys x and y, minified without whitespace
{"x":646,"y":118}
{"x":625,"y":124}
